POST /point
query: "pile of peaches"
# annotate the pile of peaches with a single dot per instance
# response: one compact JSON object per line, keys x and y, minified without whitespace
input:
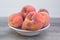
{"x":29,"y":19}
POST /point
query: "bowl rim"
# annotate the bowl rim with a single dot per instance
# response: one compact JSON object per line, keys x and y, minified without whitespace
{"x":28,"y":30}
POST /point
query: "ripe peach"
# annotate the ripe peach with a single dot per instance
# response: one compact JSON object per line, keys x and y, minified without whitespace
{"x":33,"y":21}
{"x":26,"y":10}
{"x":15,"y":20}
{"x":46,"y":18}
{"x":43,"y":10}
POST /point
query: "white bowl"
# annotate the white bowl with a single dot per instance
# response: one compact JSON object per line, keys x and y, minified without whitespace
{"x":28,"y":33}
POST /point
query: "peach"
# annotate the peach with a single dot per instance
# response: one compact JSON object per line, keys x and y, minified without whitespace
{"x":46,"y":18}
{"x":26,"y":10}
{"x":33,"y":21}
{"x":43,"y":10}
{"x":15,"y":20}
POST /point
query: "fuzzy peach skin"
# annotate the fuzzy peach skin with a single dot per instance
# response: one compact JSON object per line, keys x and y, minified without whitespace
{"x":26,"y":9}
{"x":33,"y":21}
{"x":15,"y":20}
{"x":46,"y":18}
{"x":43,"y":10}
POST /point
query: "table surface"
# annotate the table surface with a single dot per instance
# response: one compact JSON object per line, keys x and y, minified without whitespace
{"x":53,"y":32}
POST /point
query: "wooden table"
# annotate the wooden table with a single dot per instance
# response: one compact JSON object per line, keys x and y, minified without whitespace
{"x":52,"y":33}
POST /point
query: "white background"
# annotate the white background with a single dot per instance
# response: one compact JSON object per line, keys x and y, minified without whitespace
{"x":8,"y":7}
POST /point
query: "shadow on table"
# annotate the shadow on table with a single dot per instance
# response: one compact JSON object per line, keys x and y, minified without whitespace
{"x":15,"y":34}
